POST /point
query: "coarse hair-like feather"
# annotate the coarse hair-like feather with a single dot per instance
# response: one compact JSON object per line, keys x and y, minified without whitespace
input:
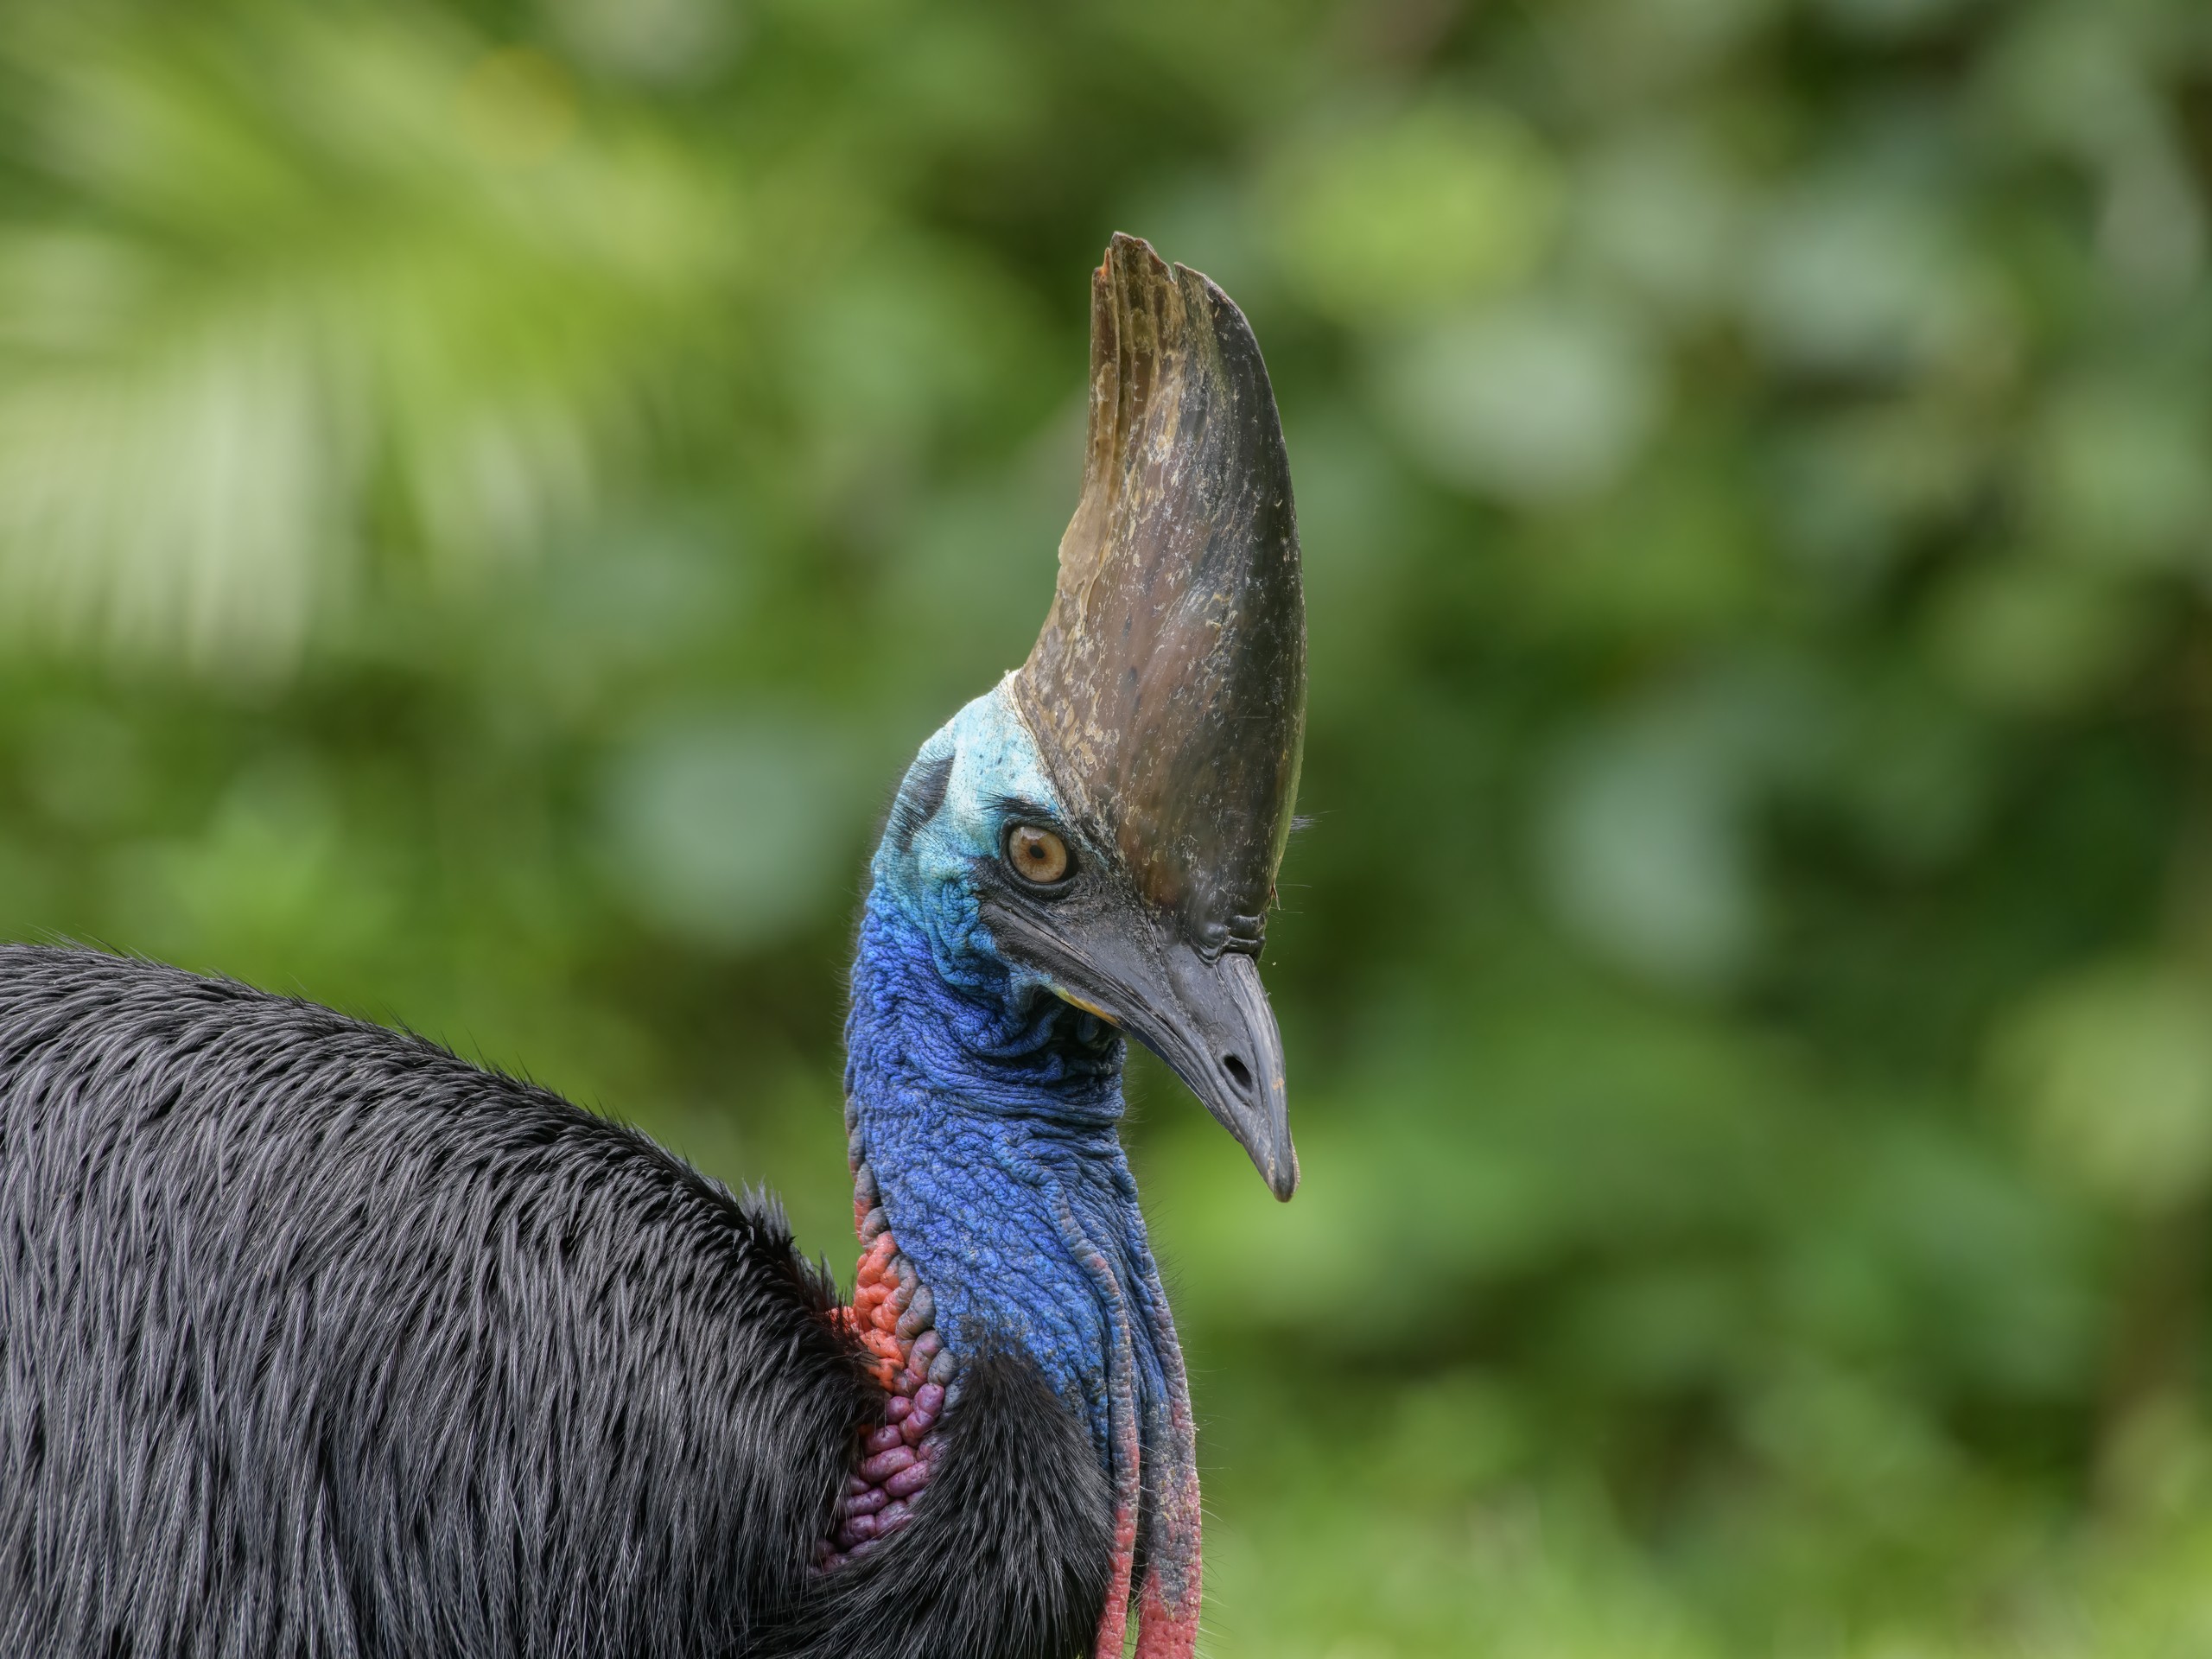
{"x":316,"y":1340}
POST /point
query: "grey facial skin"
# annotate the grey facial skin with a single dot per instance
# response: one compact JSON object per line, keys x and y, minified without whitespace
{"x":1105,"y":950}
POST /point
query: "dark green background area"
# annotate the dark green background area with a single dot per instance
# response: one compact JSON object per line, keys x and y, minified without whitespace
{"x":490,"y":497}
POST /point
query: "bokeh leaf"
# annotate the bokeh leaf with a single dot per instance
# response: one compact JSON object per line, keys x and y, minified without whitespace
{"x":311,"y":271}
{"x":734,"y":833}
{"x":2113,"y":1074}
{"x":1531,"y":404}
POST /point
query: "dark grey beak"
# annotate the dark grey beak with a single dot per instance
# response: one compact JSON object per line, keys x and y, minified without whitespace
{"x":1130,"y":965}
{"x":1215,"y":1028}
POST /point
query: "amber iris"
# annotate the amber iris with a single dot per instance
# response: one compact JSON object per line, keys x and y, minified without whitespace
{"x":1038,"y":855}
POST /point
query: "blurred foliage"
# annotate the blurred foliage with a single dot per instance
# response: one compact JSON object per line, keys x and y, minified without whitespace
{"x":490,"y":497}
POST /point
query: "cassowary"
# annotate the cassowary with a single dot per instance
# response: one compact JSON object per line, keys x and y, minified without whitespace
{"x":316,"y":1341}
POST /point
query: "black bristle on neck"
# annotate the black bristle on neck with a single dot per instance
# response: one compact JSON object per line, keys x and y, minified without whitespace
{"x":659,"y":1382}
{"x":1007,"y":1560}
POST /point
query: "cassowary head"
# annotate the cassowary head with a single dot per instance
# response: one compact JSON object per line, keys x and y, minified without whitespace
{"x":1106,"y":823}
{"x":1091,"y":846}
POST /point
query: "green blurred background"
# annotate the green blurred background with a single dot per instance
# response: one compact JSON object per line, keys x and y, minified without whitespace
{"x":490,"y":497}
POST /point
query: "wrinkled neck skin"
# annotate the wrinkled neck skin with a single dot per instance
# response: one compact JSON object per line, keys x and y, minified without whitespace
{"x":984,"y":1114}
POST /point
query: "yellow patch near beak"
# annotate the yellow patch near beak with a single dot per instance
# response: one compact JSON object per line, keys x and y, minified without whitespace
{"x":1073,"y":1000}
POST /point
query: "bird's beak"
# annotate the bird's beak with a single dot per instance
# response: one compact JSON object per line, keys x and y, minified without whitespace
{"x":1131,"y":966}
{"x":1211,"y":1022}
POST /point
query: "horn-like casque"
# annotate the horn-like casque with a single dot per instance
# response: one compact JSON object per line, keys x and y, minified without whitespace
{"x":1167,"y":689}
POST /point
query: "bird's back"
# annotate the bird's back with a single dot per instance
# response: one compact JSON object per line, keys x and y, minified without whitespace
{"x":314,"y":1339}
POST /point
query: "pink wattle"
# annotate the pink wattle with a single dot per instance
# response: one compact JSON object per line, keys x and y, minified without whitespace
{"x":1166,"y":1605}
{"x":1113,"y":1623}
{"x":1162,"y":1633}
{"x":891,"y":1318}
{"x":1169,"y":1600}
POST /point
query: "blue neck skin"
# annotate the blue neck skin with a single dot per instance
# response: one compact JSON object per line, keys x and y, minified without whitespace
{"x":988,"y":1110}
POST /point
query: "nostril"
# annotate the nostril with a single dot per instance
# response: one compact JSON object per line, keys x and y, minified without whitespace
{"x":1241,"y":1074}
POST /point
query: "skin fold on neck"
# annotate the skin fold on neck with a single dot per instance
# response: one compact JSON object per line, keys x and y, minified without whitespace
{"x":994,"y":1205}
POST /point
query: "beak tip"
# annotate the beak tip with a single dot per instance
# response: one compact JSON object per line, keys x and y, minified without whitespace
{"x":1282,"y":1182}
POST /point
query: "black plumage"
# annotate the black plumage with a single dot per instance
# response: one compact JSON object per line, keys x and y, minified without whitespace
{"x":316,"y":1340}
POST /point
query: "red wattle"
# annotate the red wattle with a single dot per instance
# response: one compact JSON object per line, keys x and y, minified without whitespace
{"x":889,"y":1317}
{"x":1113,"y":1623}
{"x":1162,"y":1633}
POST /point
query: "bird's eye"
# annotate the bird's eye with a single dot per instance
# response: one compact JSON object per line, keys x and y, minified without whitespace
{"x":1039,"y":856}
